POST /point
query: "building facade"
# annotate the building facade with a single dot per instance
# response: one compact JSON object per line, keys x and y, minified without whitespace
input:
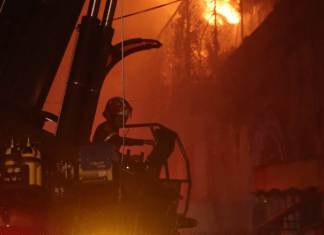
{"x":250,"y":115}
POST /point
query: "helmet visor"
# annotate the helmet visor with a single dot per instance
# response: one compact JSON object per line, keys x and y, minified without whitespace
{"x":126,"y":113}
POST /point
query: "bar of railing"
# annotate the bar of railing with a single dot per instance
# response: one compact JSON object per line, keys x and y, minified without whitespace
{"x":185,"y":157}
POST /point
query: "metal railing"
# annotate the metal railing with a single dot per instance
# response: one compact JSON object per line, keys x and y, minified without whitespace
{"x":151,"y":126}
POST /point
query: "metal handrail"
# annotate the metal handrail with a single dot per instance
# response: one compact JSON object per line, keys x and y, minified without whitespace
{"x":258,"y":229}
{"x":185,"y":157}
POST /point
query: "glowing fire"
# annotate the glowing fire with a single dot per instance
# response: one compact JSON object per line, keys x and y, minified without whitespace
{"x":224,"y":8}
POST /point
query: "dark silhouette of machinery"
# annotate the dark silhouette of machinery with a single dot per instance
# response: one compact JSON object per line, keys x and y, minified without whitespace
{"x":58,"y":184}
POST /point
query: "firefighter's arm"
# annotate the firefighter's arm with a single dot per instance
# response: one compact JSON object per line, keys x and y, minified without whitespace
{"x":116,"y":139}
{"x":150,"y":142}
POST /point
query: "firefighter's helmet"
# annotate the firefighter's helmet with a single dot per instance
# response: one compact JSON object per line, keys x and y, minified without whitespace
{"x":117,"y":106}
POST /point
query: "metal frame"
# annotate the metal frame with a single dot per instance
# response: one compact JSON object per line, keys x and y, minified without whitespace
{"x":268,"y":225}
{"x":185,"y":157}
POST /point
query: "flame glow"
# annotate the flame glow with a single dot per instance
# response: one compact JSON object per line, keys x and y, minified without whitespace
{"x":224,"y":8}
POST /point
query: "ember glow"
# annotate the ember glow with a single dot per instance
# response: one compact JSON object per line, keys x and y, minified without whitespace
{"x":224,"y":8}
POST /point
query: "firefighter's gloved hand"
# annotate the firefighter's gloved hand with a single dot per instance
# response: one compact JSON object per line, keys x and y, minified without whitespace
{"x":150,"y":142}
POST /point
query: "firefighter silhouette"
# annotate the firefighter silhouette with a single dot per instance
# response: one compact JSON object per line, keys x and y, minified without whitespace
{"x":116,"y":113}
